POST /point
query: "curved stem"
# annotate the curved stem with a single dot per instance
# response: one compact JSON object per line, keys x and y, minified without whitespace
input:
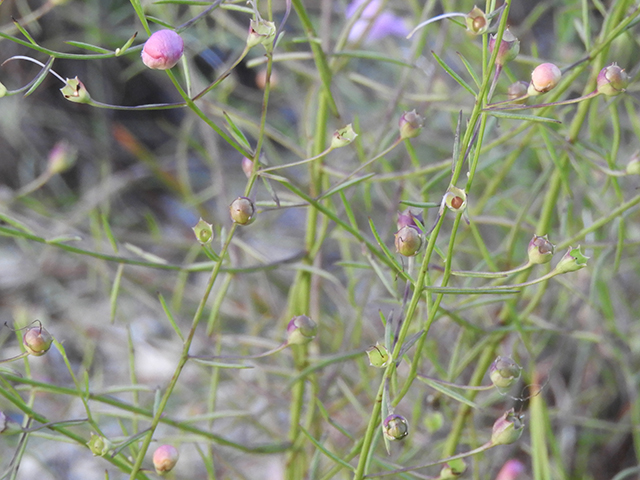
{"x":435,"y":19}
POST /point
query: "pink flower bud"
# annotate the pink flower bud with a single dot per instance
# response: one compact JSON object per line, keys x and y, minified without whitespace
{"x":247,"y":166}
{"x":543,"y":78}
{"x":612,"y":80}
{"x":61,"y":157}
{"x":407,"y":218}
{"x":507,"y":429}
{"x":165,"y":458}
{"x":509,"y":47}
{"x":511,"y":470}
{"x":163,"y":50}
{"x":37,"y":341}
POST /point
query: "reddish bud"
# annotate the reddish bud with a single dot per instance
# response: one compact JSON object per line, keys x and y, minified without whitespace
{"x":37,"y":341}
{"x":612,"y":80}
{"x":163,"y":50}
{"x":509,"y":47}
{"x":544,"y":78}
{"x":165,"y":458}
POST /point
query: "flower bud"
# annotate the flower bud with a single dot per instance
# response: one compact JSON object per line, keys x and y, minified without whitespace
{"x":633,"y":167}
{"x":37,"y":341}
{"x":395,"y":427}
{"x":163,"y":50}
{"x":509,"y":47}
{"x":517,"y":91}
{"x":511,"y":470}
{"x":410,"y":124}
{"x":165,"y":458}
{"x":540,"y":250}
{"x":543,"y":78}
{"x":203,"y":231}
{"x":379,"y":356}
{"x":407,"y":218}
{"x":99,"y":445}
{"x":408,"y":241}
{"x":573,"y":260}
{"x":455,"y":199}
{"x":261,"y":32}
{"x":507,"y":429}
{"x":75,"y":91}
{"x":612,"y":80}
{"x":242,"y":211}
{"x":476,"y":21}
{"x":8,"y":426}
{"x":343,"y":137}
{"x":503,"y":372}
{"x":247,"y":166}
{"x":453,"y":469}
{"x":301,"y":330}
{"x":61,"y":157}
{"x":3,"y":90}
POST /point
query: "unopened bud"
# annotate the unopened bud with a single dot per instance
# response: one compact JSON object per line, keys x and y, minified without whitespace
{"x":633,"y":167}
{"x":343,"y":137}
{"x":509,"y":47}
{"x":203,"y":231}
{"x":543,"y":78}
{"x":395,"y":427}
{"x":408,"y":241}
{"x":507,"y":429}
{"x":511,"y":470}
{"x":379,"y":356}
{"x":242,"y":211}
{"x":612,"y":80}
{"x":37,"y":341}
{"x":573,"y":260}
{"x":301,"y":330}
{"x":165,"y":458}
{"x":61,"y":157}
{"x":517,"y":91}
{"x":3,"y":90}
{"x":407,"y":218}
{"x":99,"y":445}
{"x":410,"y":124}
{"x":261,"y":32}
{"x":455,"y":199}
{"x":162,"y":50}
{"x":453,"y":469}
{"x":247,"y":166}
{"x":503,"y":372}
{"x":476,"y":21}
{"x":75,"y":91}
{"x":540,"y":250}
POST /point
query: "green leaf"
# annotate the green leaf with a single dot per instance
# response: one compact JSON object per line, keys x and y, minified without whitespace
{"x":341,"y":186}
{"x":169,"y":315}
{"x":448,"y":392}
{"x":516,"y":116}
{"x":371,"y":55}
{"x":471,"y":71}
{"x":453,"y":74}
{"x":329,"y":454}
{"x":88,"y":46}
{"x":236,"y":133}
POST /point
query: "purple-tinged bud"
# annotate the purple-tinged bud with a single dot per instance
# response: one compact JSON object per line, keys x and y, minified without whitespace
{"x":395,"y":427}
{"x":572,"y":261}
{"x":407,"y":218}
{"x":511,"y":470}
{"x":517,"y":91}
{"x":75,"y":91}
{"x":165,"y":458}
{"x":507,"y":429}
{"x":509,"y":47}
{"x":410,"y":124}
{"x":247,"y":166}
{"x":203,"y":231}
{"x":453,"y":469}
{"x":544,"y":78}
{"x":455,"y":199}
{"x":612,"y":80}
{"x":408,"y":241}
{"x":301,"y":330}
{"x":379,"y":356}
{"x":540,"y":250}
{"x":61,"y":157}
{"x":163,"y":50}
{"x":99,"y":445}
{"x":8,"y":426}
{"x":503,"y":372}
{"x":343,"y":137}
{"x":261,"y":32}
{"x":476,"y":21}
{"x":242,"y":211}
{"x":37,"y":341}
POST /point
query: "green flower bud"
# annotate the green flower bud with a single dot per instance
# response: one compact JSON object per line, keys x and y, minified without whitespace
{"x":75,"y":91}
{"x":517,"y":91}
{"x":395,"y":427}
{"x":379,"y":356}
{"x":165,"y":458}
{"x":573,"y":260}
{"x":3,"y":90}
{"x":37,"y":341}
{"x":99,"y":445}
{"x":203,"y":231}
{"x":301,"y":330}
{"x":507,"y":429}
{"x":612,"y":80}
{"x":410,"y":124}
{"x":633,"y":167}
{"x":544,"y":78}
{"x":242,"y":211}
{"x":509,"y":47}
{"x":61,"y":157}
{"x":408,"y":241}
{"x":455,"y":199}
{"x":540,"y":250}
{"x":261,"y":32}
{"x":503,"y":372}
{"x":477,"y":22}
{"x":453,"y":469}
{"x":343,"y":137}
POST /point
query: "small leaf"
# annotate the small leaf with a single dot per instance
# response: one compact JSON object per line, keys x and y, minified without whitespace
{"x":453,"y":74}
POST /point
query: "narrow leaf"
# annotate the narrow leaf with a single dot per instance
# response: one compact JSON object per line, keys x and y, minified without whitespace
{"x":448,"y":392}
{"x":453,"y":74}
{"x":516,"y":116}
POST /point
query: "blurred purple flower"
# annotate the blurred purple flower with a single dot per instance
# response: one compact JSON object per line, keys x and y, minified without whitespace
{"x":511,"y":470}
{"x":384,"y":23}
